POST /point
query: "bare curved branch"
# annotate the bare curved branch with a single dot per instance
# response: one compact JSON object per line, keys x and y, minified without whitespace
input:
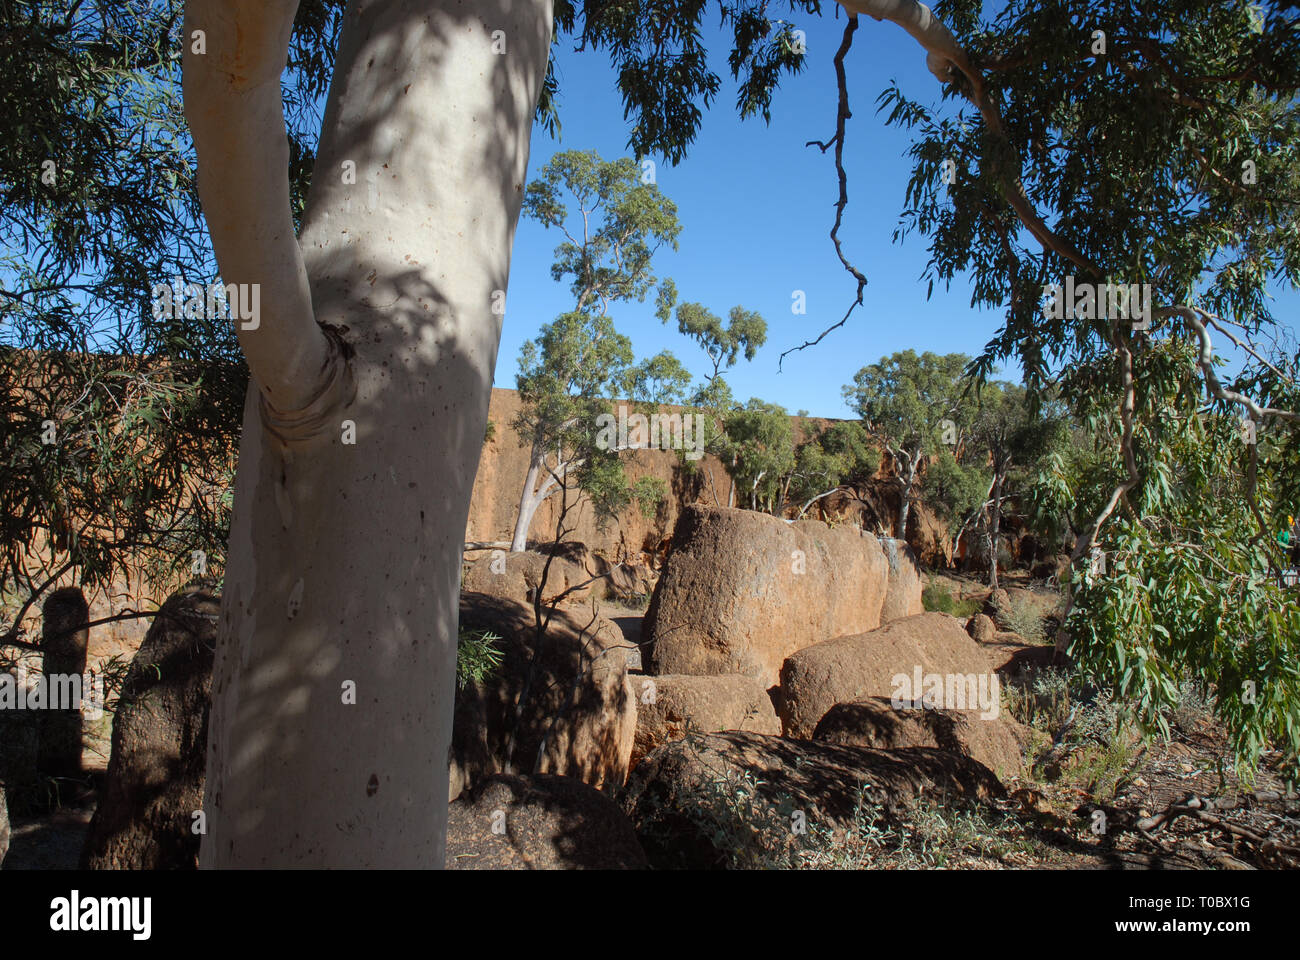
{"x":842,"y":115}
{"x":1196,"y":318}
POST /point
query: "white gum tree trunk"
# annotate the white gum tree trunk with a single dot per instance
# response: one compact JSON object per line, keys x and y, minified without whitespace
{"x":908,"y":461}
{"x":529,"y":500}
{"x":344,"y":559}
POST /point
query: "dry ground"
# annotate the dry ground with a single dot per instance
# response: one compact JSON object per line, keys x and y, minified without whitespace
{"x":1088,"y":801}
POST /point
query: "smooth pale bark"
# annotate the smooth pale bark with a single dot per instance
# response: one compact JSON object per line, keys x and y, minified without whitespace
{"x":529,"y":500}
{"x":909,"y":463}
{"x":344,"y":558}
{"x":995,"y":531}
{"x":236,"y":117}
{"x":942,"y":50}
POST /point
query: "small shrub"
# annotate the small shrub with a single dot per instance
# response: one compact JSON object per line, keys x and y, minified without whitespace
{"x":477,"y":656}
{"x":1195,"y":706}
{"x":726,"y":824}
{"x":1044,"y":700}
{"x":1024,"y":617}
{"x":939,"y":836}
{"x":936,"y":597}
{"x":746,"y":830}
{"x":1088,"y":739}
{"x":1108,"y":742}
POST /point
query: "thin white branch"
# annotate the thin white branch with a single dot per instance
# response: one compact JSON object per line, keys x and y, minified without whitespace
{"x":1195,"y":319}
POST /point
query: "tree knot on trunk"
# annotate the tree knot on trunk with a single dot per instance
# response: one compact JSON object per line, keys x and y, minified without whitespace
{"x":319,"y":416}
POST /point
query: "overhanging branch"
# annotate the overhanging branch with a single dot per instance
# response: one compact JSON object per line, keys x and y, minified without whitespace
{"x":842,"y":115}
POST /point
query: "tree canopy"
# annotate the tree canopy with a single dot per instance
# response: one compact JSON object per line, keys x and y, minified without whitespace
{"x":1081,"y":145}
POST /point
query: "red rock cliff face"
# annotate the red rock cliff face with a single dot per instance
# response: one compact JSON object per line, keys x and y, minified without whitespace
{"x":495,"y":502}
{"x":504,"y":464}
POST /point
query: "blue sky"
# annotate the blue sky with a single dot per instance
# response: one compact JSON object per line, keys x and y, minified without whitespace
{"x":756,"y":207}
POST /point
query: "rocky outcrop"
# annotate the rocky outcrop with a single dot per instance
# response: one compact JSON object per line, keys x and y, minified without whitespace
{"x":64,"y":641}
{"x":981,"y":628}
{"x":928,"y":536}
{"x":154,"y":785}
{"x":566,"y":701}
{"x":875,"y":723}
{"x":518,"y":576}
{"x":865,"y":665}
{"x":539,"y":823}
{"x":729,"y":799}
{"x":903,"y":591}
{"x":741,"y":591}
{"x":668,"y":705}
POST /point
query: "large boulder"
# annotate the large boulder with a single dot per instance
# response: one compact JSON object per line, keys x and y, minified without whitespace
{"x":903,"y":592}
{"x":668,"y":704}
{"x":876,"y":723}
{"x":738,"y":799}
{"x":154,"y":784}
{"x":853,"y":668}
{"x":64,"y":640}
{"x":982,"y":628}
{"x":518,"y":576}
{"x":579,"y":711}
{"x":741,"y":591}
{"x":539,"y":823}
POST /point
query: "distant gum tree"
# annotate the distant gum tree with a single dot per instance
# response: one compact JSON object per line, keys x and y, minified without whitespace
{"x":742,"y":335}
{"x":914,"y":404}
{"x":832,"y":461}
{"x":612,"y":223}
{"x":1009,"y":431}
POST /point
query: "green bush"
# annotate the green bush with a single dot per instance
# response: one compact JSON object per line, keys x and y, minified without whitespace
{"x":477,"y":656}
{"x":936,"y":597}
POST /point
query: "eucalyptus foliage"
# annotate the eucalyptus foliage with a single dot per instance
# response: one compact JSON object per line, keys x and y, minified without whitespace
{"x":916,"y":405}
{"x":1135,"y":142}
{"x":612,"y":223}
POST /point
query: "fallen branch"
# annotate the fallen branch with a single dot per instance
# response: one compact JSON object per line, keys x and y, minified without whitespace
{"x":1200,"y":809}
